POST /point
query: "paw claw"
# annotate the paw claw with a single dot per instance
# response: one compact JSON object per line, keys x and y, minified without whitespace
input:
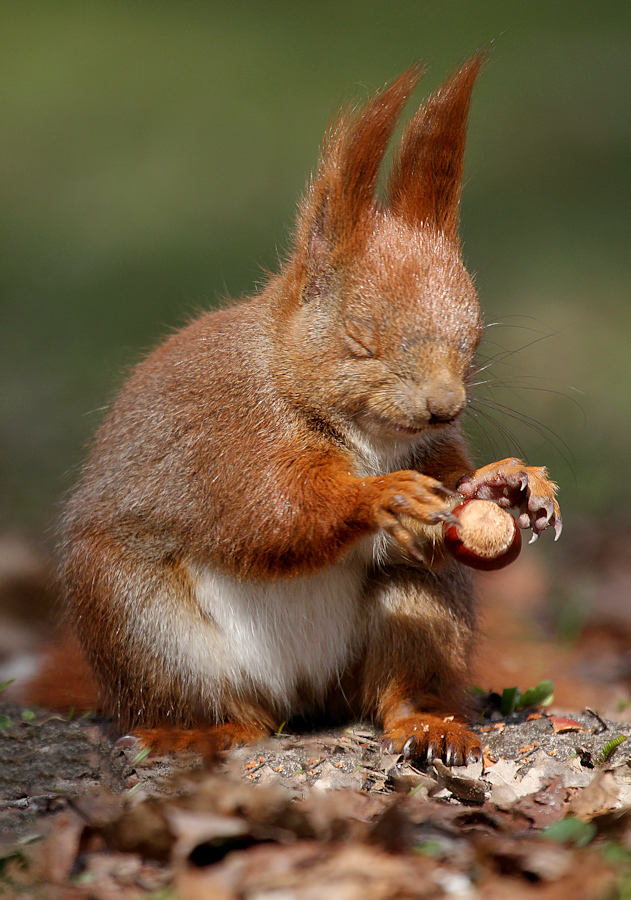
{"x":535,"y":537}
{"x":558,"y":528}
{"x":405,"y":538}
{"x":429,"y":737}
{"x":410,"y":494}
{"x":129,"y":744}
{"x":446,"y":517}
{"x":410,"y":748}
{"x":444,"y":493}
{"x":511,"y":483}
{"x":387,"y":746}
{"x":474,"y":755}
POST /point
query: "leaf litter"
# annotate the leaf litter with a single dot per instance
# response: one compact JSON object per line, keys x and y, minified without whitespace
{"x":317,"y":814}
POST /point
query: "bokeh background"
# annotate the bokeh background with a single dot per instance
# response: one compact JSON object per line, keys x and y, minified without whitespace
{"x":151,"y":157}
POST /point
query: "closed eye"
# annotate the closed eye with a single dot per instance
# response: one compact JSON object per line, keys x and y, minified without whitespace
{"x":357,"y":348}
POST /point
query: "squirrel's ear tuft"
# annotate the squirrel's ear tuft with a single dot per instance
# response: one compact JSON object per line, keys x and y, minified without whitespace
{"x":338,"y":209}
{"x":425,"y":184}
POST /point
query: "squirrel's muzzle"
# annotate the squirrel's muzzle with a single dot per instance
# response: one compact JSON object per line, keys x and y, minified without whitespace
{"x":445,"y":398}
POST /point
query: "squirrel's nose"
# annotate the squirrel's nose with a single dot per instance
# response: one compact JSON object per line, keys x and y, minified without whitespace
{"x":446,"y":398}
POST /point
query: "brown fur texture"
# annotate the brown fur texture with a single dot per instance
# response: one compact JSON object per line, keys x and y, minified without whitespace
{"x":257,"y":530}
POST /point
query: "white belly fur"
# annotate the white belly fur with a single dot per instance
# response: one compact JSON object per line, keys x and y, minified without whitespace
{"x":281,"y":635}
{"x":276,"y":636}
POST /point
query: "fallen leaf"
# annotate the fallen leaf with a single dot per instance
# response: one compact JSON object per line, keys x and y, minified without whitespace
{"x":545,"y":806}
{"x":600,"y":796}
{"x":536,"y":859}
{"x":333,"y":778}
{"x":191,"y":828}
{"x":143,"y":829}
{"x":56,"y":856}
{"x":393,"y":830}
{"x":469,"y":790}
{"x":404,"y":778}
{"x":310,"y":870}
{"x":562,"y":724}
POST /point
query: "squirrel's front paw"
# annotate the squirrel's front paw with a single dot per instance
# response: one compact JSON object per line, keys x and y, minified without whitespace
{"x":511,"y":483}
{"x":409,"y":494}
{"x":428,"y":737}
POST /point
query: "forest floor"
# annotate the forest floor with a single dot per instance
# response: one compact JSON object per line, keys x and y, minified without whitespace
{"x":546,"y":814}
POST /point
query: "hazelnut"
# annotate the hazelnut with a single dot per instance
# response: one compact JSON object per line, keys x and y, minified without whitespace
{"x":486,"y":536}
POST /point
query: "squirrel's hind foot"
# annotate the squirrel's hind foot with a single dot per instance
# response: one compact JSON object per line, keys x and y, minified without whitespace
{"x":426,"y":737}
{"x":207,"y":740}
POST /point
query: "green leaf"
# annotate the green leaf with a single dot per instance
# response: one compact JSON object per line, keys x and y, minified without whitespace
{"x":541,"y":695}
{"x":5,"y":684}
{"x":83,"y":878}
{"x":474,"y":690}
{"x":28,"y":715}
{"x":510,"y":697}
{"x":428,"y":848}
{"x":570,"y":831}
{"x":140,"y":756}
{"x":610,"y":748}
{"x":5,"y":722}
{"x":614,"y":854}
{"x":134,"y":790}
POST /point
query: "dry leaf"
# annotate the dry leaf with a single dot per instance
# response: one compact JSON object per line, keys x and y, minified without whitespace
{"x":562,"y":724}
{"x":56,"y":857}
{"x":466,"y":789}
{"x":143,"y":829}
{"x":600,"y":796}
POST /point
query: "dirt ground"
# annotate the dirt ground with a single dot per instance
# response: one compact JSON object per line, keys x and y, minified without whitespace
{"x":547,"y":813}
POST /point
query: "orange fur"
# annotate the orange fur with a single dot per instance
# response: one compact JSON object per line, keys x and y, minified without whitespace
{"x":64,"y":680}
{"x":257,"y":530}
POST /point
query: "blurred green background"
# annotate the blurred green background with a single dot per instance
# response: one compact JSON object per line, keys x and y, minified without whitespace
{"x":151,"y":156}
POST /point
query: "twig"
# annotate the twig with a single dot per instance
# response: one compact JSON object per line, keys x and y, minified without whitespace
{"x":593,"y":713}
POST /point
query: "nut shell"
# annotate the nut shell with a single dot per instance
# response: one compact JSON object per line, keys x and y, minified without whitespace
{"x":486,"y":536}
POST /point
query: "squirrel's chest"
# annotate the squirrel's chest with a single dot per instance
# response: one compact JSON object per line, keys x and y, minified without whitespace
{"x":284,"y":635}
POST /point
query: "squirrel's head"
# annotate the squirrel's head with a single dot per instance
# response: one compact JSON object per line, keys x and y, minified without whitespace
{"x":375,"y":308}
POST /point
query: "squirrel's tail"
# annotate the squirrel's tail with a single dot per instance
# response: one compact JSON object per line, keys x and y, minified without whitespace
{"x":63,"y":680}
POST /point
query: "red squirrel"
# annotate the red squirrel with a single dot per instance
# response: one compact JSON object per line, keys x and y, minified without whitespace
{"x":257,"y":531}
